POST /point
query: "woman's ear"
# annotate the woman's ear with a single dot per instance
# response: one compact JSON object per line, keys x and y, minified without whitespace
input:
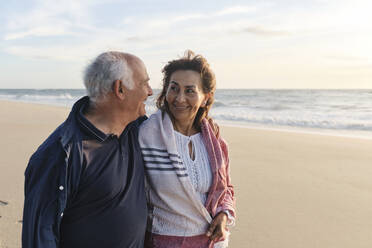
{"x":206,"y":98}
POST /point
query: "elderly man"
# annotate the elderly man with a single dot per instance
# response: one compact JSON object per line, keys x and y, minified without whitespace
{"x":84,"y":186}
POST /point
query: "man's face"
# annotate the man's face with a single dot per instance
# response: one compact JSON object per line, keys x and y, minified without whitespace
{"x":141,"y":89}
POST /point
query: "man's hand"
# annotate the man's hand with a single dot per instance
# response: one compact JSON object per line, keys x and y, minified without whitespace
{"x":217,"y":228}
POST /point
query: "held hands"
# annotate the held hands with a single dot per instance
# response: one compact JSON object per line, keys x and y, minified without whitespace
{"x":217,"y":229}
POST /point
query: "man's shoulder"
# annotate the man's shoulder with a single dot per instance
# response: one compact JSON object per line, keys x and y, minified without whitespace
{"x":48,"y":153}
{"x":53,"y":142}
{"x":65,"y":132}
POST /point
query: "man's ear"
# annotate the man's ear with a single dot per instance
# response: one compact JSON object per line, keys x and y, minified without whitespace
{"x":118,"y":89}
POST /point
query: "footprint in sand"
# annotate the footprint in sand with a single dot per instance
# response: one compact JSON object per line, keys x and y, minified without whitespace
{"x":3,"y":203}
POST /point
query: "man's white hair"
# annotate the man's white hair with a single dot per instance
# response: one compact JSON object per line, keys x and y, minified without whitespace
{"x":100,"y":75}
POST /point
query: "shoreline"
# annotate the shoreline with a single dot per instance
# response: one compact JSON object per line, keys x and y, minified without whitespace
{"x":290,"y":129}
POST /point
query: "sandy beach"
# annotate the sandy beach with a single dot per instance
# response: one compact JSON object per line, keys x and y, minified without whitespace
{"x":293,"y":190}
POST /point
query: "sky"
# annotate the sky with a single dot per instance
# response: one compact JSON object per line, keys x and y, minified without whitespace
{"x":249,"y":44}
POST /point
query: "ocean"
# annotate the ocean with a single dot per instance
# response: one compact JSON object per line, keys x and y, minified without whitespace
{"x":336,"y":112}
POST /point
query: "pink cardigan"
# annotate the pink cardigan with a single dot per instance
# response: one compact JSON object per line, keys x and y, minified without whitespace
{"x":221,"y":194}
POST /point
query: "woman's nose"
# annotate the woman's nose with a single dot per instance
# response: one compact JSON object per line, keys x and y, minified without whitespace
{"x":180,"y":97}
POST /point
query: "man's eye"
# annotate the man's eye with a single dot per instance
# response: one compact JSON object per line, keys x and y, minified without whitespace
{"x":190,"y":91}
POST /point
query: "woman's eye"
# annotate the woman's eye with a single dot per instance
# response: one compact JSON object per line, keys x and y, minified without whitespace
{"x":190,"y":91}
{"x":173,"y":88}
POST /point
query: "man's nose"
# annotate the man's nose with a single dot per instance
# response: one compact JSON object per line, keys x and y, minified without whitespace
{"x":150,"y":92}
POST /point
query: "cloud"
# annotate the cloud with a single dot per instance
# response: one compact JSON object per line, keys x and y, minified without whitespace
{"x":38,"y":31}
{"x":48,"y":18}
{"x":188,"y":17}
{"x":51,"y":52}
{"x":147,"y":34}
{"x":174,"y":20}
{"x":71,"y":17}
{"x":87,"y":47}
{"x":223,"y":12}
{"x":138,"y":38}
{"x":347,"y":58}
{"x":263,"y":31}
{"x":235,"y":10}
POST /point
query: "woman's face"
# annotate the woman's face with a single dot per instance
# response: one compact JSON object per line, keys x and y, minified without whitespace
{"x":185,"y":96}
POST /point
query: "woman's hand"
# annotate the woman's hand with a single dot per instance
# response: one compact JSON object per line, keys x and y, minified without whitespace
{"x":217,"y":229}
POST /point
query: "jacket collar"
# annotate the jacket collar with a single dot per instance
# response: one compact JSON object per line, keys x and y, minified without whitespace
{"x":70,"y":125}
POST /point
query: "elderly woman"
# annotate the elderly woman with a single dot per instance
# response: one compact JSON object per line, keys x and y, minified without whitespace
{"x":190,"y":197}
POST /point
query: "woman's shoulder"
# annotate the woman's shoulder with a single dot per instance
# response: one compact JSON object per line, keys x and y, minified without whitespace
{"x":152,"y":120}
{"x":209,"y":125}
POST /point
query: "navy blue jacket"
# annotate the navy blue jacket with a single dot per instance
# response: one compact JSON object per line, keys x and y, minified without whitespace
{"x":52,"y":174}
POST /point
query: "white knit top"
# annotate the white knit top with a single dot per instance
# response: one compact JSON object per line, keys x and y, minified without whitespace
{"x":199,"y":170}
{"x":185,"y":219}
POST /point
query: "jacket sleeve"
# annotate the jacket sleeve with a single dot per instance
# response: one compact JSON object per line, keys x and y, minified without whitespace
{"x":228,"y":201}
{"x":41,"y":213}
